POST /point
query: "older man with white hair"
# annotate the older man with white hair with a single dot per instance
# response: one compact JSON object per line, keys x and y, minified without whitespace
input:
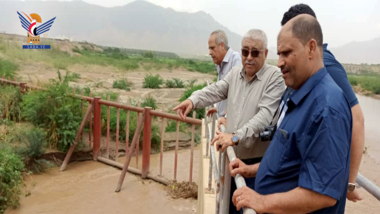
{"x":225,"y":59}
{"x":254,"y":92}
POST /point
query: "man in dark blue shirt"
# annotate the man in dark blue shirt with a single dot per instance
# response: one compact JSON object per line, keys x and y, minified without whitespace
{"x":337,"y":72}
{"x":306,"y":167}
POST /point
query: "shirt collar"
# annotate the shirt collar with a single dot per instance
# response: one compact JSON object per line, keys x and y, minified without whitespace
{"x":228,"y":54}
{"x":258,"y":75}
{"x":325,"y":46}
{"x":299,"y":94}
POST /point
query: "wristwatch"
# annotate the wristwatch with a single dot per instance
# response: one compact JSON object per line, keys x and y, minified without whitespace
{"x":351,"y":187}
{"x":235,"y":140}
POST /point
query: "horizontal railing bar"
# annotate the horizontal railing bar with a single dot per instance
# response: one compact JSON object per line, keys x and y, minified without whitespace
{"x":368,"y":185}
{"x":9,"y":81}
{"x":90,"y":99}
{"x":132,"y":170}
{"x":122,"y":106}
{"x":176,"y":117}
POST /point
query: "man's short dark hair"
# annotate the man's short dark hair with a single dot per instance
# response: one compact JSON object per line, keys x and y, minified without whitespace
{"x":306,"y":28}
{"x":296,"y":10}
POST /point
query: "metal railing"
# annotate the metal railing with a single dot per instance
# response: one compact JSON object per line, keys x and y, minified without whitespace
{"x":222,"y":177}
{"x":146,"y":144}
{"x":94,"y":120}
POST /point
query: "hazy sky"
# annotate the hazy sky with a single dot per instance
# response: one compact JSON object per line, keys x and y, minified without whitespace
{"x":342,"y":21}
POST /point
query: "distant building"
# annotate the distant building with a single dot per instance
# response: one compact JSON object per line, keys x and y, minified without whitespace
{"x":63,"y":37}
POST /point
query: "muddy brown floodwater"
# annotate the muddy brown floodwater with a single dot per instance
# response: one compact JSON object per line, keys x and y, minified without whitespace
{"x":88,"y":187}
{"x":370,"y":165}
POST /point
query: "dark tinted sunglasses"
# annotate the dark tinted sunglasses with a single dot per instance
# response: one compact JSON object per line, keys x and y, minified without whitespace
{"x":254,"y":53}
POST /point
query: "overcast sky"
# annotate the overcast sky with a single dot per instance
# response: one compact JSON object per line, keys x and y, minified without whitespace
{"x":342,"y":21}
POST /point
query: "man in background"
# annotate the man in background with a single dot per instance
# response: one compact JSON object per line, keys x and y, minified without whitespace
{"x":225,"y":59}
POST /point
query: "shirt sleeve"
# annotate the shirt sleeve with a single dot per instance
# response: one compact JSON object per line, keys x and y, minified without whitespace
{"x":267,"y":107}
{"x":236,"y":60}
{"x":325,"y":151}
{"x":337,"y":72}
{"x":211,"y":94}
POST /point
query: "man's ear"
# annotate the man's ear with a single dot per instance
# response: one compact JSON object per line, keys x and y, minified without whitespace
{"x":266,"y":53}
{"x":312,"y":48}
{"x":222,"y":45}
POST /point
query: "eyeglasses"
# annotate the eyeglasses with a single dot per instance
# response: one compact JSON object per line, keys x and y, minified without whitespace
{"x":254,"y":53}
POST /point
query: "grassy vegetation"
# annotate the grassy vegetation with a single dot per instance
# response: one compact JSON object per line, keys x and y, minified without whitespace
{"x":368,"y":82}
{"x":149,"y":102}
{"x":123,"y":84}
{"x":55,"y":111}
{"x":72,"y":77}
{"x":10,"y":99}
{"x":35,"y":143}
{"x":122,"y":59}
{"x":172,"y":126}
{"x":174,"y":83}
{"x":200,"y":113}
{"x":152,"y":81}
{"x":11,"y":168}
{"x":7,"y":68}
{"x":191,"y":83}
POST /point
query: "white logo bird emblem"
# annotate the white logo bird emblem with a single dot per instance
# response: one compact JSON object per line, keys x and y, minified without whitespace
{"x":31,"y":26}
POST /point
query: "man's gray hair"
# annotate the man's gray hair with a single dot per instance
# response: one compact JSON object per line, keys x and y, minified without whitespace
{"x":256,"y":34}
{"x":220,"y":36}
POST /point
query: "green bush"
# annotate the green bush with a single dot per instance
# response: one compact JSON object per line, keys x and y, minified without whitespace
{"x":123,"y":84}
{"x":353,"y":80}
{"x":200,"y":113}
{"x":190,"y":83}
{"x":7,"y":68}
{"x":172,"y":126}
{"x":169,"y":84}
{"x":148,"y":54}
{"x":10,"y":103}
{"x":367,"y":82}
{"x":152,"y":81}
{"x":72,"y":77}
{"x":35,"y":142}
{"x":55,"y":111}
{"x":149,"y":102}
{"x":203,"y":67}
{"x":11,"y":168}
{"x":174,"y":83}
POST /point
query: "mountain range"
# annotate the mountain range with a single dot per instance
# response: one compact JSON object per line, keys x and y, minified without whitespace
{"x":143,"y":25}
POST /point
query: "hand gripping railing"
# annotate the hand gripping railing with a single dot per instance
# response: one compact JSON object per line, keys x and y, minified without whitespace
{"x":368,"y":185}
{"x":239,"y":180}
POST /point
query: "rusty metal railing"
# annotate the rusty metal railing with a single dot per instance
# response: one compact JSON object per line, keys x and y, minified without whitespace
{"x":93,"y":117}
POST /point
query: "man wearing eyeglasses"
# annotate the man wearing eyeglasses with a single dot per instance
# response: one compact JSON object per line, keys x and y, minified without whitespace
{"x":254,"y":92}
{"x":225,"y":59}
